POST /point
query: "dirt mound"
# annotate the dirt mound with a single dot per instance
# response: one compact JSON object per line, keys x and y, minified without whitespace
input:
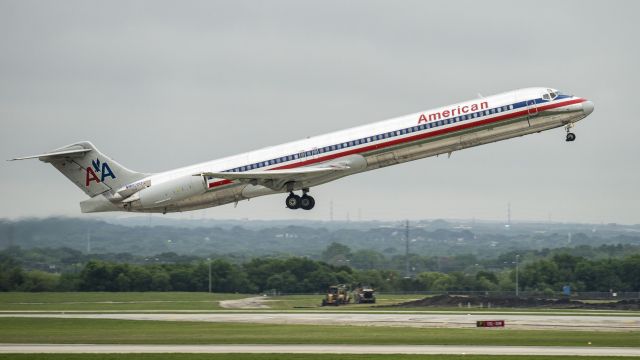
{"x":516,"y":302}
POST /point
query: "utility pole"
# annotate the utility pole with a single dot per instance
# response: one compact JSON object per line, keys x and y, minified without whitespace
{"x":209,"y":261}
{"x":517,"y":287}
{"x":406,"y":250}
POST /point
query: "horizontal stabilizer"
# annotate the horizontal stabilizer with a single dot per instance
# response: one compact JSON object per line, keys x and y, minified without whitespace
{"x":55,"y":154}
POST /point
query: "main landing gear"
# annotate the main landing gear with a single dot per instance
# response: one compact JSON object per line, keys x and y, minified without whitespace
{"x":570,"y":136}
{"x":304,"y":202}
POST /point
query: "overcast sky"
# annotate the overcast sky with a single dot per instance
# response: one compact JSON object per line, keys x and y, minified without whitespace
{"x":158,"y":85}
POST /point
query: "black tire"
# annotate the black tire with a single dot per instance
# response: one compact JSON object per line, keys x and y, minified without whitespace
{"x":571,"y":137}
{"x":293,"y":202}
{"x":307,"y":202}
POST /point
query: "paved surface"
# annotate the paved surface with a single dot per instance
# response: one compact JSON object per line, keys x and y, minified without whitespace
{"x":560,"y":322}
{"x":324,"y":349}
{"x":256,"y":302}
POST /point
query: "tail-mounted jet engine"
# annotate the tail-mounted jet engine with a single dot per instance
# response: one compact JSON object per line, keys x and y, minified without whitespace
{"x":158,"y":195}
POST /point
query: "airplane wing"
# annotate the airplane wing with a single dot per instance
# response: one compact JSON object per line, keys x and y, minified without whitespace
{"x":277,"y":179}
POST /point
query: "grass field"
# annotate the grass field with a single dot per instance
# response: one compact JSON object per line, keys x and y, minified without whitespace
{"x":282,"y":357}
{"x":104,"y":301}
{"x":192,"y":301}
{"x":92,"y":331}
{"x":17,"y":301}
{"x":292,"y":302}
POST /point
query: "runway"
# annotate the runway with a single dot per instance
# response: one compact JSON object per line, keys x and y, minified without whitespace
{"x":319,"y":349}
{"x":453,"y":320}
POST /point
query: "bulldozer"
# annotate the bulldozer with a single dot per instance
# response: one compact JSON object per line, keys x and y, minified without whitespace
{"x":365,"y":295}
{"x":337,"y":295}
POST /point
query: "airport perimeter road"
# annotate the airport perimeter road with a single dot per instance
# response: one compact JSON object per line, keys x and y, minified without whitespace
{"x":320,"y":349}
{"x":522,"y":322}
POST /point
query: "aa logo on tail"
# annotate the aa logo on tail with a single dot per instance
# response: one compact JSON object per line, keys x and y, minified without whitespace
{"x":102,"y":169}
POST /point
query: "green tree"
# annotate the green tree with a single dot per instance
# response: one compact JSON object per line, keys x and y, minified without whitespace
{"x":160,"y":280}
{"x":283,"y":282}
{"x":336,"y":254}
{"x":367,"y":260}
{"x":630,"y":273}
{"x":11,"y":274}
{"x":36,"y":280}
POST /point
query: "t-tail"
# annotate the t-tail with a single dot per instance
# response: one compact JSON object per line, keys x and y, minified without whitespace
{"x":93,"y":172}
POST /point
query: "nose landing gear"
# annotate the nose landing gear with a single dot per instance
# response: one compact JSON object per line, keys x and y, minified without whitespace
{"x":304,"y":202}
{"x":570,"y":136}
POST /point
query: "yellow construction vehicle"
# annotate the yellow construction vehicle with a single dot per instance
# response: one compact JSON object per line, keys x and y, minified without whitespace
{"x":337,"y":295}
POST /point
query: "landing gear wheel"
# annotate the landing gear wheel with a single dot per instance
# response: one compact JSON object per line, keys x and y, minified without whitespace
{"x":570,"y":136}
{"x":307,"y":202}
{"x":293,"y":201}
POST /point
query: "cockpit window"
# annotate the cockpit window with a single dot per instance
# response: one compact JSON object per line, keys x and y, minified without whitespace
{"x":546,"y":96}
{"x":553,"y":95}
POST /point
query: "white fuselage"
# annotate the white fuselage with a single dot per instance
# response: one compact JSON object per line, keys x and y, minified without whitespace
{"x":367,"y":147}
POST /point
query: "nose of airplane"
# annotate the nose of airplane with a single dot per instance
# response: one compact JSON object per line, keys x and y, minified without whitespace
{"x":587,"y":107}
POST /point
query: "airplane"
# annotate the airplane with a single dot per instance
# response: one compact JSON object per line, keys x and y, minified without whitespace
{"x":303,"y":164}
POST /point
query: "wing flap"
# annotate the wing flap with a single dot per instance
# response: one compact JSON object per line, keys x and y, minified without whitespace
{"x":277,"y":179}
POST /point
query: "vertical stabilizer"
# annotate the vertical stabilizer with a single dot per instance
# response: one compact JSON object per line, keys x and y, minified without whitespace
{"x":92,"y":171}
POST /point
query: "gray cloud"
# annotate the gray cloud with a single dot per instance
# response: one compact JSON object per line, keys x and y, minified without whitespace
{"x":159,"y":84}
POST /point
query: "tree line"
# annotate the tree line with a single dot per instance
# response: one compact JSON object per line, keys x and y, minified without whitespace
{"x":246,"y":240}
{"x":303,"y":275}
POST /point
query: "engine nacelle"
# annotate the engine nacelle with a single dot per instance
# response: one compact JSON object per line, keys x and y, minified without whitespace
{"x":168,"y":192}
